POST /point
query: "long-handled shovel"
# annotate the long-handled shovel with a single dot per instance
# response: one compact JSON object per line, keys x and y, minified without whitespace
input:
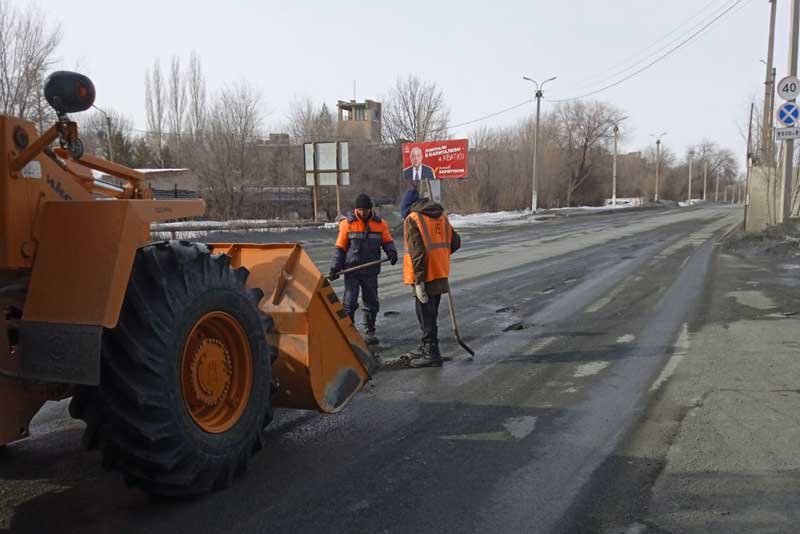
{"x":455,"y":326}
{"x":359,"y":267}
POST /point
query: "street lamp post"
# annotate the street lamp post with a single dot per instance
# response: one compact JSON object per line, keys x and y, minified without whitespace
{"x":108,"y":129}
{"x":539,"y":94}
{"x":614,"y":171}
{"x":658,"y":159}
{"x":614,"y":166}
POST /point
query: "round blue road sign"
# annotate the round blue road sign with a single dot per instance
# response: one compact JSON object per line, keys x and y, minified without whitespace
{"x":789,"y":114}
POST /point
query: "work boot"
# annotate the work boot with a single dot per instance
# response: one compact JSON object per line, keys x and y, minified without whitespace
{"x":415,"y":354}
{"x":431,"y":357}
{"x":369,"y":329}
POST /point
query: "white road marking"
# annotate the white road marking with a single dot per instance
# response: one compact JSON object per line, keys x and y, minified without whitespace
{"x":680,"y":349}
{"x":601,"y":303}
{"x":514,"y":428}
{"x":541,"y":344}
{"x":627,"y":338}
{"x":589,"y":369}
{"x":520,"y":427}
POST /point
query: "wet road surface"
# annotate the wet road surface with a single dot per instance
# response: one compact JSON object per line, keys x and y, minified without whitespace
{"x":573,"y":321}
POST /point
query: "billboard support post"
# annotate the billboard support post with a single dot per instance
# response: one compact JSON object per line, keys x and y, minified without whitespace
{"x":327,"y":164}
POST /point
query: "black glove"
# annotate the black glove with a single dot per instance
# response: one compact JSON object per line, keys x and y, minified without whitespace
{"x":333,"y":275}
{"x":392,"y":254}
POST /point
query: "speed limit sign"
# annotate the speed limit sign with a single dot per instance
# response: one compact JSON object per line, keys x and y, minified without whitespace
{"x":789,"y":88}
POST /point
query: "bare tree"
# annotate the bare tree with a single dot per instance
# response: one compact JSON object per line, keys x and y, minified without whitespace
{"x":196,"y":88}
{"x":585,"y":133}
{"x":415,"y":111}
{"x":176,"y":105}
{"x":232,"y":162}
{"x":27,"y":51}
{"x":155,"y":108}
{"x":308,"y":124}
{"x":95,"y":135}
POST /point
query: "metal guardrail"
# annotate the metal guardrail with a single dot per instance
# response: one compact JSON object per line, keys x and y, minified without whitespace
{"x":230,"y":226}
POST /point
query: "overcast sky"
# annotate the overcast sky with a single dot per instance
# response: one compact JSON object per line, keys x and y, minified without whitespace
{"x":476,"y":52}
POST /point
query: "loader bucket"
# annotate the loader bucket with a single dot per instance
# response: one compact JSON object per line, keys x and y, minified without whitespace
{"x":322,"y":359}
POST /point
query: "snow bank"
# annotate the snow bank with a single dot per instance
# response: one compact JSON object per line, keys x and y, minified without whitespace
{"x":488,"y":219}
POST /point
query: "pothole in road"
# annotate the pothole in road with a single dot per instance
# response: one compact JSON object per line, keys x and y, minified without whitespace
{"x":391,"y":314}
{"x":504,"y":310}
{"x":514,"y":327}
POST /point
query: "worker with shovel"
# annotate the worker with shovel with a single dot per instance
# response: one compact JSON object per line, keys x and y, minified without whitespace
{"x":429,"y":241}
{"x":362,"y":235}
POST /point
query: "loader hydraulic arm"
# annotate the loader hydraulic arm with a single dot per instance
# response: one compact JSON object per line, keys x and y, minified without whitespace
{"x":33,"y":150}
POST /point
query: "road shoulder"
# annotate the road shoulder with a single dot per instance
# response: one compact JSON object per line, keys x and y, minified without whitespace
{"x":718,"y":446}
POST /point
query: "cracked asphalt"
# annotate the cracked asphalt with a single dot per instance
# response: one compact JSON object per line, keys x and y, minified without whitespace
{"x":575,"y":321}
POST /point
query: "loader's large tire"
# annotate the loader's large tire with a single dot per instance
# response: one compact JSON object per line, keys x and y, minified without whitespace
{"x":186,"y":374}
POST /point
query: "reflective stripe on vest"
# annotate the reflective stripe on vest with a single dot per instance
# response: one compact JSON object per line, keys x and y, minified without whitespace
{"x":437,"y":237}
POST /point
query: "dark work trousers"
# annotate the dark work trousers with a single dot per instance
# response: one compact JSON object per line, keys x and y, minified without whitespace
{"x":427,"y":315}
{"x":369,"y":294}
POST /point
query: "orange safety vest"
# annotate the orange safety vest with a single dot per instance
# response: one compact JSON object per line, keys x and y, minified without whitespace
{"x":437,"y":235}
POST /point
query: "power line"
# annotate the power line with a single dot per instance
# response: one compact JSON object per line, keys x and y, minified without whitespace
{"x":616,"y":70}
{"x":658,"y":59}
{"x":649,"y":65}
{"x":669,"y":52}
{"x":491,"y":115}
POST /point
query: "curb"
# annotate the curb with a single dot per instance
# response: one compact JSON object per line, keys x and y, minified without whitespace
{"x":730,"y":231}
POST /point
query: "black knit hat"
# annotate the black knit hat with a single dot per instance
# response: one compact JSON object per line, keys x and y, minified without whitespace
{"x":363,"y":202}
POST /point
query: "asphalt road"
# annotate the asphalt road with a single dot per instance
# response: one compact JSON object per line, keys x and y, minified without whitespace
{"x":573,"y":321}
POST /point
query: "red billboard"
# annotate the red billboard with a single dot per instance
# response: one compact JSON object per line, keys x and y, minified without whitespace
{"x":435,"y":160}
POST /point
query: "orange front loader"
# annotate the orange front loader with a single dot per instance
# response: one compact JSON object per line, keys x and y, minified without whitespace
{"x":174,"y":353}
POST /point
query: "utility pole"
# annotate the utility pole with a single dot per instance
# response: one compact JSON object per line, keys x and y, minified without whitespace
{"x":658,"y":161}
{"x":705,"y":178}
{"x":614,"y":171}
{"x":539,"y":94}
{"x":789,"y":148}
{"x":716,"y":187}
{"x":769,"y":90}
{"x":108,"y":131}
{"x":691,"y":160}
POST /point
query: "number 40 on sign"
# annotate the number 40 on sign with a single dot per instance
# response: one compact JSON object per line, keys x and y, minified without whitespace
{"x":789,"y":88}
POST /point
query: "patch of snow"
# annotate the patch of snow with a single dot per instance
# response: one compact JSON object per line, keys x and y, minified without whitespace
{"x":627,"y":338}
{"x":486,"y":219}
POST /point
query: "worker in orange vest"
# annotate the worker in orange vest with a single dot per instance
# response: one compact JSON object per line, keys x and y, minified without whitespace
{"x":362,"y":235}
{"x":429,"y":241}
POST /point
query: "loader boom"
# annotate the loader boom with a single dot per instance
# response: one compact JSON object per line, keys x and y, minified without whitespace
{"x":208,"y":337}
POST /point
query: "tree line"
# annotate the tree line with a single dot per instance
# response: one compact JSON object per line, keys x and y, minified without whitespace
{"x":222,"y":136}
